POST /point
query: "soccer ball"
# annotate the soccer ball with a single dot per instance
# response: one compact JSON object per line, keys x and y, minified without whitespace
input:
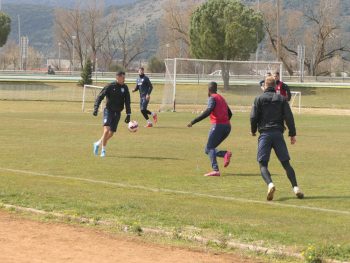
{"x":133,"y":126}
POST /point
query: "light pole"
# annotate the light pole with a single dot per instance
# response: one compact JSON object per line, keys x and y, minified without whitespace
{"x":73,"y":38}
{"x":167,"y":50}
{"x":59,"y":55}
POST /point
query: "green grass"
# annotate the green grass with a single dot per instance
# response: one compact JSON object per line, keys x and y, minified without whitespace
{"x":55,"y":139}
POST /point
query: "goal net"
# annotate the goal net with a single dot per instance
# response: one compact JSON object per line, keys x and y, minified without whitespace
{"x":186,"y":82}
{"x":90,"y":93}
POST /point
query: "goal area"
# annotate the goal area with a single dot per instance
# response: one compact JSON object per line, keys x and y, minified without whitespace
{"x":186,"y":82}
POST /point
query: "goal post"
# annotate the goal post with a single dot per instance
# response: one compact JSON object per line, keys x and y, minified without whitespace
{"x":90,"y":93}
{"x":296,"y":95}
{"x":186,"y":81}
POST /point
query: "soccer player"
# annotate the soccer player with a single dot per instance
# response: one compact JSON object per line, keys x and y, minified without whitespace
{"x":220,"y":115}
{"x":145,"y":87}
{"x":117,"y":94}
{"x":269,"y":112}
{"x":281,"y":87}
{"x":262,"y":82}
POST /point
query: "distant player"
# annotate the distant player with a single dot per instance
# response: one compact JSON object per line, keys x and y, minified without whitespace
{"x":117,"y":94}
{"x":220,"y":115}
{"x":281,"y":87}
{"x":262,"y":82}
{"x":269,"y":112}
{"x":145,"y":87}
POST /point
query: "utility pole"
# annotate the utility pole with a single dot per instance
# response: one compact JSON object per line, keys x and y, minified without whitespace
{"x":19,"y":42}
{"x":278,"y":30}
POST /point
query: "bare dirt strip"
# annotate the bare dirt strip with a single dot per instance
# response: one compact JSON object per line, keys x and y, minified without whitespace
{"x":24,"y":240}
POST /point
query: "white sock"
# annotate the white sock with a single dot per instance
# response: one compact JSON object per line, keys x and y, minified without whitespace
{"x":149,"y":122}
{"x":152,"y":113}
{"x":270,"y":185}
{"x":98,"y":142}
{"x":296,"y":189}
{"x":103,"y":148}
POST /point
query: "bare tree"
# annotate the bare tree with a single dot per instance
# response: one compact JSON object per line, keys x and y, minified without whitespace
{"x":321,"y":35}
{"x":131,"y":45}
{"x":89,"y":26}
{"x":174,"y":27}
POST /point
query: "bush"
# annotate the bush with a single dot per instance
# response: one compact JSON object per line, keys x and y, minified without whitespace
{"x":156,"y":66}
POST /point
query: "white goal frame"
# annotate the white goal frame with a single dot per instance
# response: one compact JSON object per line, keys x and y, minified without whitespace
{"x":296,"y":94}
{"x":173,"y":73}
{"x":84,"y":94}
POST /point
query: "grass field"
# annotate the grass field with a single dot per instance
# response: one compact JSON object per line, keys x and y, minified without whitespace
{"x":154,"y":178}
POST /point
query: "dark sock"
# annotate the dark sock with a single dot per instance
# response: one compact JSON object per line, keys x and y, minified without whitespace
{"x":144,"y":113}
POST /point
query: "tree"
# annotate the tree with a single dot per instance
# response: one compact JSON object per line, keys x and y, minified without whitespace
{"x":155,"y":65}
{"x":225,"y":30}
{"x":173,"y":30}
{"x":5,"y":28}
{"x":315,"y":27}
{"x":86,"y":74}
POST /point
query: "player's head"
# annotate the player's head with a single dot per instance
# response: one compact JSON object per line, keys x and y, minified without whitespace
{"x":270,"y":82}
{"x":141,"y":71}
{"x":120,"y":76}
{"x":212,"y":88}
{"x":268,"y":74}
{"x":276,"y":75}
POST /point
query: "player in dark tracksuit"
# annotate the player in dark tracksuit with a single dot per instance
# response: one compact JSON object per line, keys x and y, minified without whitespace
{"x":145,"y":87}
{"x":269,"y":112}
{"x":117,"y":94}
{"x":281,"y":87}
{"x":220,"y":115}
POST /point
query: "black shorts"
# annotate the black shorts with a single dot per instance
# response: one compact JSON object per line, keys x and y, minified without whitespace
{"x":269,"y":140}
{"x":111,"y":119}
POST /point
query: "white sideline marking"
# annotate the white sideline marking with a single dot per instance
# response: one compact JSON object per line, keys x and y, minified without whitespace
{"x":58,"y":121}
{"x":151,"y":189}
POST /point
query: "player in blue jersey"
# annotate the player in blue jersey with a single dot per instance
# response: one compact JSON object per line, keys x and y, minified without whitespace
{"x":145,"y":87}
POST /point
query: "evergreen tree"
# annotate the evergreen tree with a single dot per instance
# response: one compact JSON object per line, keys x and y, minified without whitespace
{"x":86,"y":74}
{"x":5,"y":28}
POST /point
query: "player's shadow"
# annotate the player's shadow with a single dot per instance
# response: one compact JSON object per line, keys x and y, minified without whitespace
{"x":156,"y":158}
{"x":320,"y":197}
{"x":241,"y":174}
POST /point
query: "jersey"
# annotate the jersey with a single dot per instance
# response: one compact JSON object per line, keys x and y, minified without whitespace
{"x":143,"y":85}
{"x":219,"y":114}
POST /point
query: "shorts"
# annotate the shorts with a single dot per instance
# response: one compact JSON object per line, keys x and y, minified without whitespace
{"x":143,"y":103}
{"x":272,"y":140}
{"x":111,"y":119}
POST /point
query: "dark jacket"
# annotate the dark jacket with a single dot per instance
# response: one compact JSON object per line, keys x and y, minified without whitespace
{"x":117,"y":96}
{"x":270,"y":111}
{"x":144,"y":85}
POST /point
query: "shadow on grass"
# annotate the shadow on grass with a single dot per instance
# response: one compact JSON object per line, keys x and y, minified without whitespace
{"x":241,"y":174}
{"x":321,"y":197}
{"x":156,"y":158}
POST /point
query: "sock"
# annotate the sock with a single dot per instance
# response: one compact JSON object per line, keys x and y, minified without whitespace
{"x":271,"y":185}
{"x":149,"y":122}
{"x":103,"y":148}
{"x":98,"y":142}
{"x":152,"y":113}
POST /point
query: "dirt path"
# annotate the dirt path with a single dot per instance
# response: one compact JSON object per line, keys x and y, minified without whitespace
{"x":23,"y":240}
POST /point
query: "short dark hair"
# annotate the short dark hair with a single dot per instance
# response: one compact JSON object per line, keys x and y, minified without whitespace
{"x":276,"y":73}
{"x":213,"y":87}
{"x":142,"y":68}
{"x":120,"y":73}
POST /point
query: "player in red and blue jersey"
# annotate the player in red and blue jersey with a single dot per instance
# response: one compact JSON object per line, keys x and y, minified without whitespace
{"x":220,"y":115}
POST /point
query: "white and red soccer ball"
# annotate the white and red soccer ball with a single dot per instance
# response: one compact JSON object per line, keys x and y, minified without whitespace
{"x":133,"y":126}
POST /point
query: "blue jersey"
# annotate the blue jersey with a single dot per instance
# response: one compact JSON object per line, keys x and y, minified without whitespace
{"x":143,"y":85}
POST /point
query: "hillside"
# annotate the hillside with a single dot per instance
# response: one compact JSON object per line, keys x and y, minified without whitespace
{"x":37,"y":18}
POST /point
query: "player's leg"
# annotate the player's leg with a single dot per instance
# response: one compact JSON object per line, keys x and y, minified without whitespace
{"x":145,"y":112}
{"x":109,"y":129}
{"x":223,"y":132}
{"x":263,"y":157}
{"x":282,"y":153}
{"x":215,"y":137}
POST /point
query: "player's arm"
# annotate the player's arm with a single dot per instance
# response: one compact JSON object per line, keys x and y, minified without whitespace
{"x":136,"y":88}
{"x":127,"y":104}
{"x":99,"y":99}
{"x":289,"y":119}
{"x":206,"y":113}
{"x":254,"y":115}
{"x":150,"y":88}
{"x":229,"y":113}
{"x":287,"y":89}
